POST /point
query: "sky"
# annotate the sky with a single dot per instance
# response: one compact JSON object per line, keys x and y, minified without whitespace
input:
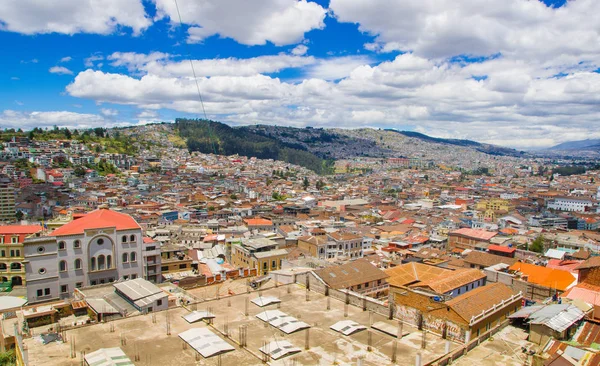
{"x":517,"y":73}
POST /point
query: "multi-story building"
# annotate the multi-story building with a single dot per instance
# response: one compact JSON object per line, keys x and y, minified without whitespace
{"x":316,"y":245}
{"x":174,"y":259}
{"x":7,"y":199}
{"x":490,"y":209}
{"x":572,"y":204}
{"x":344,"y":244}
{"x":100,"y":247}
{"x":470,"y":239}
{"x":260,"y":253}
{"x":152,"y":260}
{"x":11,"y":252}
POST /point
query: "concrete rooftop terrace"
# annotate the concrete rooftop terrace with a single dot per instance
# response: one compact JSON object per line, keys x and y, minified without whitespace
{"x":150,"y":341}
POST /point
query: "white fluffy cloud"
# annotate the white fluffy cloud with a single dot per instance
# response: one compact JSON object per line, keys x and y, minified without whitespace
{"x":60,"y":70}
{"x":526,"y":106}
{"x":72,"y":16}
{"x":281,"y":22}
{"x":300,"y":50}
{"x":445,"y":28}
{"x":161,"y":64}
{"x":29,"y":120}
{"x":108,"y":112}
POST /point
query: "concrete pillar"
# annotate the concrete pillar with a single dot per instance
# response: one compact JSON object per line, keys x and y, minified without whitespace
{"x":447,"y":348}
{"x":418,"y":359}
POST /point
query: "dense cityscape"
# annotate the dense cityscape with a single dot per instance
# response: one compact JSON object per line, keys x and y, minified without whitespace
{"x":299,"y":182}
{"x":427,"y":259}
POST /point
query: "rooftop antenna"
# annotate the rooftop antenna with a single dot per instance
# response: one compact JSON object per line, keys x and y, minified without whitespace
{"x":212,"y":142}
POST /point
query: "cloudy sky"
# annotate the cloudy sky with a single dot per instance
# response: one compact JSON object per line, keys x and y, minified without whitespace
{"x":519,"y":73}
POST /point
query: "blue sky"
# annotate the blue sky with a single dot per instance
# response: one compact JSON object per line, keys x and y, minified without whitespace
{"x":479,"y":69}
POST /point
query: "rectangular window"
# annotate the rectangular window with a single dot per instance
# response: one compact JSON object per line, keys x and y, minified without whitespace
{"x":79,"y":285}
{"x":46,"y":291}
{"x":64,"y":289}
{"x":133,"y":276}
{"x":182,"y":266}
{"x":14,"y":239}
{"x":158,"y":302}
{"x":164,"y":268}
{"x":40,"y":293}
{"x":94,"y":283}
{"x":274,"y":264}
{"x":3,"y":253}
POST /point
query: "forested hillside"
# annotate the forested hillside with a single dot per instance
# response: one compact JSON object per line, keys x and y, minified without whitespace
{"x":218,"y":138}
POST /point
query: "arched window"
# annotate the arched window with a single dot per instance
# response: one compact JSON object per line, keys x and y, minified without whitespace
{"x":15,"y":266}
{"x":62,"y":266}
{"x":132,"y":238}
{"x":77,"y":244}
{"x":62,"y":245}
{"x":124,"y":239}
{"x":77,"y":263}
{"x":125,"y":257}
{"x":132,"y":257}
{"x":93,"y":263}
{"x":101,"y":262}
{"x":2,"y":266}
{"x":109,"y":261}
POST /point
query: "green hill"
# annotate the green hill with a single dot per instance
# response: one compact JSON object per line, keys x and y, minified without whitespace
{"x":218,"y":138}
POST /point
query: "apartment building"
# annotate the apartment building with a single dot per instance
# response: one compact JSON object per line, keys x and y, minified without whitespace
{"x":7,"y":199}
{"x":571,"y":204}
{"x":12,"y":253}
{"x":344,"y":244}
{"x":470,"y":239}
{"x":260,"y":253}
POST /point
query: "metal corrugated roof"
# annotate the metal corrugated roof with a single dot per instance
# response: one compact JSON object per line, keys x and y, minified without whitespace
{"x":557,"y":317}
{"x":279,"y":349}
{"x":347,"y":327}
{"x":265,"y":301}
{"x":108,"y":357}
{"x":282,"y":321}
{"x":204,"y":341}
{"x":195,"y":316}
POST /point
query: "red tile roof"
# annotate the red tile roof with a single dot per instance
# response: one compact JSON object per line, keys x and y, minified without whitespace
{"x":501,"y":248}
{"x":101,"y":218}
{"x":476,"y":234}
{"x":258,"y":222}
{"x":20,"y":229}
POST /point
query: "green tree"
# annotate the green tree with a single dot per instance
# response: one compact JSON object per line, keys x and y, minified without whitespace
{"x":19,"y":215}
{"x":537,"y":245}
{"x":320,"y":184}
{"x":8,"y":358}
{"x":305,"y":182}
{"x":79,"y":171}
